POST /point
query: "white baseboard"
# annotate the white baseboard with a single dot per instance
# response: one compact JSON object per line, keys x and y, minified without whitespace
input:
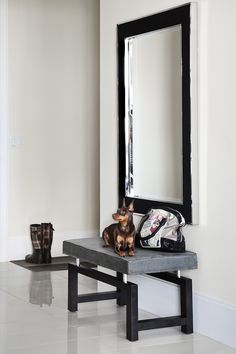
{"x":212,"y":317}
{"x":18,"y":247}
{"x":215,"y":319}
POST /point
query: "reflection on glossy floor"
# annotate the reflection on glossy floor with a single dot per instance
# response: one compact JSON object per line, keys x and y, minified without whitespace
{"x":34,"y":319}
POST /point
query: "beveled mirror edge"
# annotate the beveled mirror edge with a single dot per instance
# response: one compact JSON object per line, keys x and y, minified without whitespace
{"x":194,"y":111}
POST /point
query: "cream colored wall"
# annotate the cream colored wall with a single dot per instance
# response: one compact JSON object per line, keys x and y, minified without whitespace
{"x":214,"y":238}
{"x":53,"y":115}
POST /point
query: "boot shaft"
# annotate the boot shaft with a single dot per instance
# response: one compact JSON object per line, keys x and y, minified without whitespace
{"x":47,"y":234}
{"x":36,"y":236}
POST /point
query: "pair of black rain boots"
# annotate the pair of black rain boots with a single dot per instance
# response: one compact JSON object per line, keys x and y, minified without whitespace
{"x":41,"y":238}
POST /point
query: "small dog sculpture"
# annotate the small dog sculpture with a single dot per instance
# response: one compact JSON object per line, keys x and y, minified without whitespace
{"x":121,"y":235}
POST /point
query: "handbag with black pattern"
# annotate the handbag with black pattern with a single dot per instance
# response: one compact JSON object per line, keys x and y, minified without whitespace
{"x":161,"y":229}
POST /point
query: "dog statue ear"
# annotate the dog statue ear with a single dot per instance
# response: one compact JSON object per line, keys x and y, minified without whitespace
{"x":131,"y":206}
{"x":123,"y":205}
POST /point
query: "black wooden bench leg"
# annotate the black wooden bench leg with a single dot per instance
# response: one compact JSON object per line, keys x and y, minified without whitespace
{"x":127,"y":294}
{"x":72,"y":288}
{"x":187,"y":305}
{"x":132,"y":312}
{"x":121,"y":301}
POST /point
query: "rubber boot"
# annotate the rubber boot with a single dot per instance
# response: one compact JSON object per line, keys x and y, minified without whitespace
{"x":47,"y":232}
{"x":37,"y":244}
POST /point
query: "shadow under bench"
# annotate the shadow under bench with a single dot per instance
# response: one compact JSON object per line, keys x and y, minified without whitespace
{"x":161,"y":265}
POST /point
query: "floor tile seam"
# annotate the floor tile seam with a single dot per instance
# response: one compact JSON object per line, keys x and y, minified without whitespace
{"x":21,"y":300}
{"x":12,"y":295}
{"x":199,"y":338}
{"x":58,"y":342}
{"x":15,"y":296}
{"x":200,"y":335}
{"x":86,"y":315}
{"x":38,"y":345}
{"x":118,"y":321}
{"x":163,"y":340}
{"x":125,"y":345}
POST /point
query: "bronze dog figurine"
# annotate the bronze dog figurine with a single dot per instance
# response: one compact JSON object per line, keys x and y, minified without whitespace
{"x":121,"y":235}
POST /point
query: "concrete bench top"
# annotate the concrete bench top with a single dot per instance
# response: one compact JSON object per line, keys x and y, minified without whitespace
{"x":144,"y":261}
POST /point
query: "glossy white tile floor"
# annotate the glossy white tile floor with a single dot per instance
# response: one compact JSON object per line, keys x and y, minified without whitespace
{"x":34,"y":320}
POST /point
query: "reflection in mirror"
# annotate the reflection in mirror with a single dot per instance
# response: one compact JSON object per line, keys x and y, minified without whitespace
{"x":153,"y":115}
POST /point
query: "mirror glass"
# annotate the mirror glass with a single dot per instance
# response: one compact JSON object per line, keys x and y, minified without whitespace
{"x":153,"y":115}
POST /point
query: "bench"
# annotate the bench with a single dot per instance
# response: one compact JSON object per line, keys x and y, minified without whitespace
{"x":161,"y":265}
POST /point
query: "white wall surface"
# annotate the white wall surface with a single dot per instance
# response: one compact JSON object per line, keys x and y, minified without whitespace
{"x":214,"y":238}
{"x":53,"y":119}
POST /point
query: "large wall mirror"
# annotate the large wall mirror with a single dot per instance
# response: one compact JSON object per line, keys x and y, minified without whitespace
{"x":155,"y":111}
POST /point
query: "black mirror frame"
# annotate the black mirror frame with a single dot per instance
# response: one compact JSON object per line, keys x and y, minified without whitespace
{"x":169,"y":18}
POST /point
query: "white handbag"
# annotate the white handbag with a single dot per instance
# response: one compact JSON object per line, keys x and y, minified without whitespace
{"x":162,"y":229}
